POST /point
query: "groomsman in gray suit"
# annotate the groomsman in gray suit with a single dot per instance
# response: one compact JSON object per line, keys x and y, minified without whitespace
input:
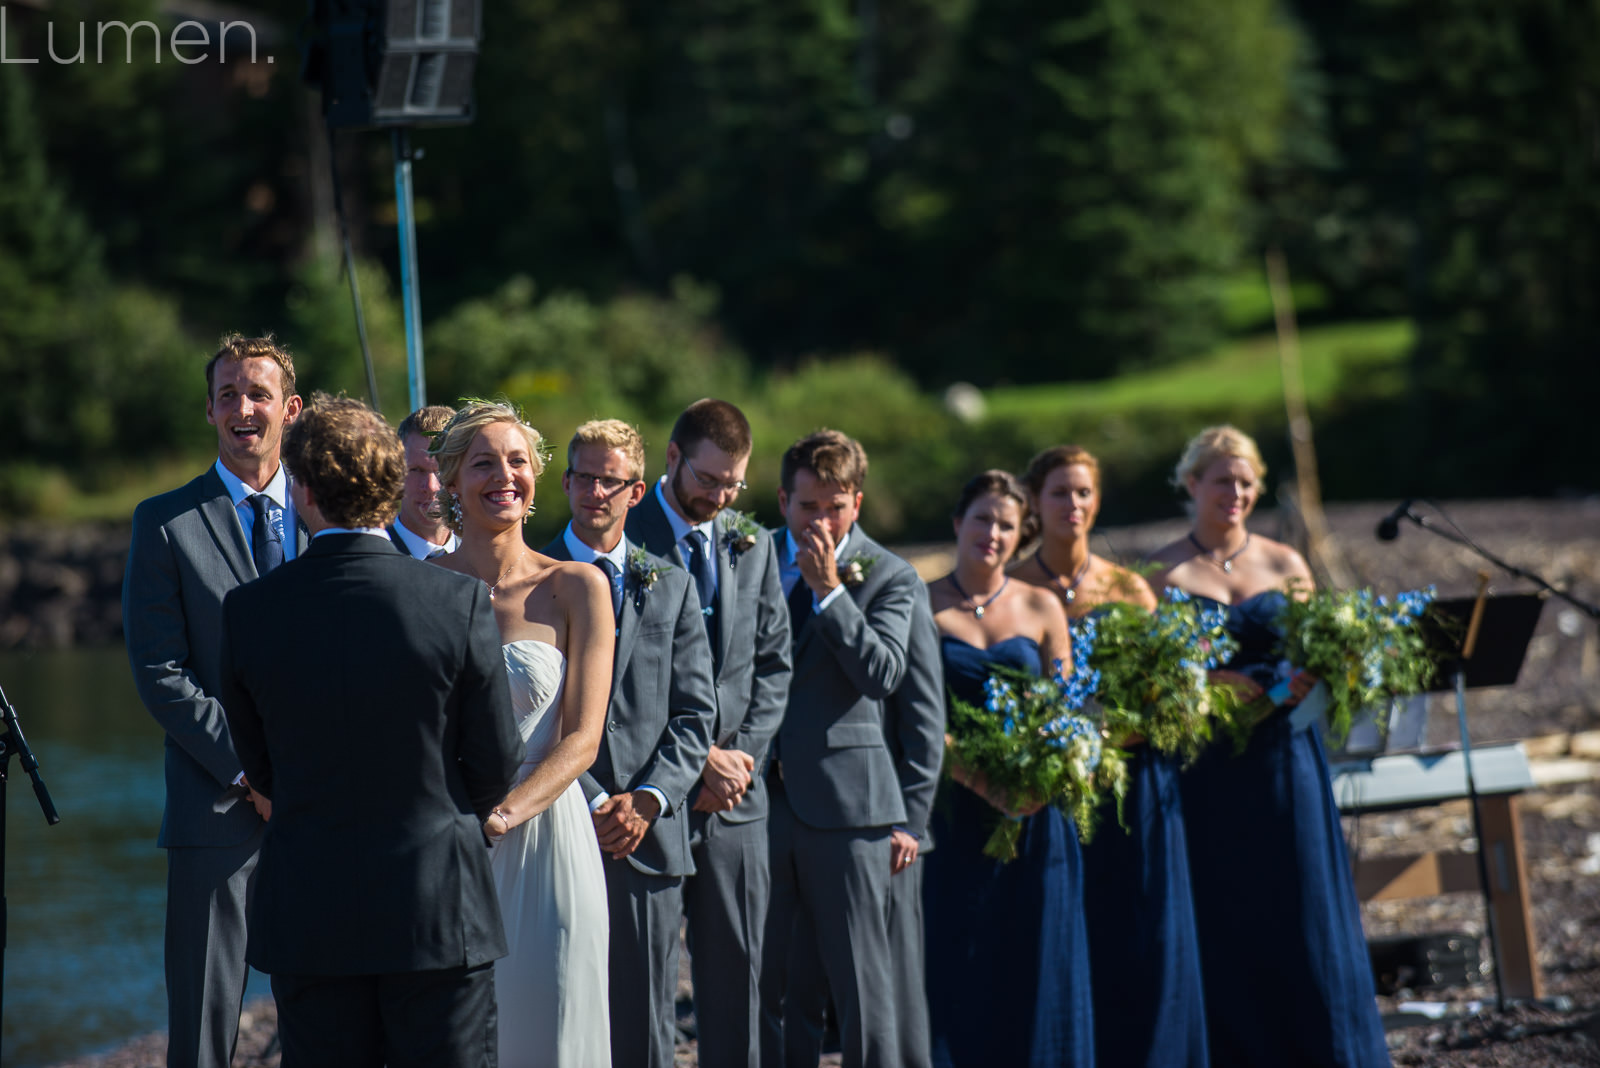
{"x":684,"y":518}
{"x":836,"y":797}
{"x":914,"y":722}
{"x":190,"y":547}
{"x":658,"y":732}
{"x":419,"y":530}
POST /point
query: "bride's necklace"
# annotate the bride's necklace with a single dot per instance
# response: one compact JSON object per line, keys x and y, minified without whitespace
{"x":1226,"y":563}
{"x":1071,"y":590}
{"x":977,"y":606}
{"x":496,"y":583}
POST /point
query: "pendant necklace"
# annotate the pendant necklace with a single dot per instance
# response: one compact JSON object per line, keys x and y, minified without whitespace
{"x":977,"y":608}
{"x":1227,"y":562}
{"x":496,"y":584}
{"x":1070,"y":594}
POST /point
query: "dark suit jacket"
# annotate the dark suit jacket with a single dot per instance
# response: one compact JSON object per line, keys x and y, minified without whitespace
{"x":663,"y":707}
{"x":838,"y":771}
{"x":753,"y":643}
{"x":188,"y":550}
{"x":368,"y":699}
{"x":914,"y":719}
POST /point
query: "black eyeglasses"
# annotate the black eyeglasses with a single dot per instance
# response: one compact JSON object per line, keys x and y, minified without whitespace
{"x":606,"y":484}
{"x":711,"y":485}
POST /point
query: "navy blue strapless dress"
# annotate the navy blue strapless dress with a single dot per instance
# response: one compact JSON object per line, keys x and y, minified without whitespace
{"x":1149,"y":1009}
{"x":1287,"y":976}
{"x":1007,"y":949}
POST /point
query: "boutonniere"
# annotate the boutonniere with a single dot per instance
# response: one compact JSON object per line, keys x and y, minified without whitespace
{"x":645,"y":570}
{"x":856,"y":569}
{"x":738,"y":534}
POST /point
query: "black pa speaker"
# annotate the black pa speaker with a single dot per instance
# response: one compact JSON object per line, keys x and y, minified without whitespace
{"x":393,"y":62}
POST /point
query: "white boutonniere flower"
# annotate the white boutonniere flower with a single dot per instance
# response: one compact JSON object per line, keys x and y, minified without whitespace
{"x":855,"y":570}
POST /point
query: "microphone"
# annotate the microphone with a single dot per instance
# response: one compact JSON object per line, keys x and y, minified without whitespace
{"x":1389,"y":525}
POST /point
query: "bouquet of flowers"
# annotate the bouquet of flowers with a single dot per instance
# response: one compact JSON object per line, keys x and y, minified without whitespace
{"x":1152,"y":671}
{"x":1034,"y":740}
{"x":1367,"y":649}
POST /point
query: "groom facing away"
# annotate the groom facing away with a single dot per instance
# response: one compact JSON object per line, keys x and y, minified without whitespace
{"x":367,"y":697}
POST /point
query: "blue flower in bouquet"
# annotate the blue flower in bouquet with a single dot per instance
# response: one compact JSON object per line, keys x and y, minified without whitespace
{"x":1000,"y":699}
{"x":1080,"y":737}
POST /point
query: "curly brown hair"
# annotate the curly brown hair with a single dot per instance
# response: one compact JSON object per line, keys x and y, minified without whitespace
{"x":348,"y":458}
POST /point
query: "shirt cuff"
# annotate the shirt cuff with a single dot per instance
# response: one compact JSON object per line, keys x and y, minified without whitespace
{"x":238,"y":780}
{"x":661,"y":798}
{"x":833,"y":595}
{"x":598,"y":800}
{"x":904,"y":830}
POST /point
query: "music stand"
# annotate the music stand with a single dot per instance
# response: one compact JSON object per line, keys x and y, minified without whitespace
{"x":1480,"y":641}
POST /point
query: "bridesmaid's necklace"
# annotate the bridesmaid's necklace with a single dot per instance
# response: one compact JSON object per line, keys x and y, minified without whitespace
{"x":1070,"y":593}
{"x":977,"y":607}
{"x":1226,"y":563}
{"x":496,"y":583}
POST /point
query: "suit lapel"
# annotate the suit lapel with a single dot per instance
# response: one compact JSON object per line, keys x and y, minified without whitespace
{"x":727,"y":596}
{"x":216,"y":508}
{"x":633,"y":606}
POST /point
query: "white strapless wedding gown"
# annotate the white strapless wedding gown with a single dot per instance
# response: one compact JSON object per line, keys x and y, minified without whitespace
{"x":551,"y":989}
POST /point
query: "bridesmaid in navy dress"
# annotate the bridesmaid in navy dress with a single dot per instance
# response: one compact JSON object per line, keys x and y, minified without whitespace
{"x":1143,"y":947}
{"x":1287,"y":978}
{"x":1007,"y":953}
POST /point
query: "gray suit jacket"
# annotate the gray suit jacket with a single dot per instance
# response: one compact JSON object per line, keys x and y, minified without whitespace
{"x":914,"y":719}
{"x":188,"y":551}
{"x":752,"y":658}
{"x":663,"y":708}
{"x":838,"y":771}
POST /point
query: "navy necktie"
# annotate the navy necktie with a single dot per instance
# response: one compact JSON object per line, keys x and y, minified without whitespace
{"x":799,"y":606}
{"x":266,"y":544}
{"x":611,"y":580}
{"x":702,"y":565}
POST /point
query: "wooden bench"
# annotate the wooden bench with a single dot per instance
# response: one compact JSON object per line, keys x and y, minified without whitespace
{"x":1402,"y":781}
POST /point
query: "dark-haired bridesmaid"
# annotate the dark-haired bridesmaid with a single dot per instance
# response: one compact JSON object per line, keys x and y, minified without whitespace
{"x":1143,"y":947}
{"x":1007,"y":956}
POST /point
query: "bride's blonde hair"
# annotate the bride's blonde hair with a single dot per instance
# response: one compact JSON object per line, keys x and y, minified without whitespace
{"x":450,"y":445}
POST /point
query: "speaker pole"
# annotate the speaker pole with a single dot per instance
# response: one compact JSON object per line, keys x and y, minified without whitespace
{"x":408,"y":264}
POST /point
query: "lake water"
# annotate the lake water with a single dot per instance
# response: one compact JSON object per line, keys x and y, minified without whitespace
{"x":86,"y":898}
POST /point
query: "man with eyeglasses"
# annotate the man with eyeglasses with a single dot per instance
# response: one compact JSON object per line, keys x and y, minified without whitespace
{"x":685,"y":517}
{"x":658,"y":732}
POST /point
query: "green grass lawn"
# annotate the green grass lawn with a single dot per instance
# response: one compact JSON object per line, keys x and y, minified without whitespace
{"x":1241,"y":374}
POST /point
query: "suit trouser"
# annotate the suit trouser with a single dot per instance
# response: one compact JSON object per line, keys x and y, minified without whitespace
{"x":444,"y":1018}
{"x":838,"y":882}
{"x":208,"y":889}
{"x":725,"y":902}
{"x":646,"y":915}
{"x":804,"y":1008}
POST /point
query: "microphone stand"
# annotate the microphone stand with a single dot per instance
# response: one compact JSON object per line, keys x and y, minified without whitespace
{"x":12,"y":741}
{"x":1592,"y":611}
{"x":1459,"y":678}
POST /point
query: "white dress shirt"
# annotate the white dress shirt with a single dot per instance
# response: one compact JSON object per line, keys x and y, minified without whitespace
{"x":278,"y":492}
{"x":681,"y":528}
{"x":421,"y":547}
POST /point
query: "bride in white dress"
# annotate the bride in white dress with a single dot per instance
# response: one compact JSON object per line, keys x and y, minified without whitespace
{"x":555,"y":622}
